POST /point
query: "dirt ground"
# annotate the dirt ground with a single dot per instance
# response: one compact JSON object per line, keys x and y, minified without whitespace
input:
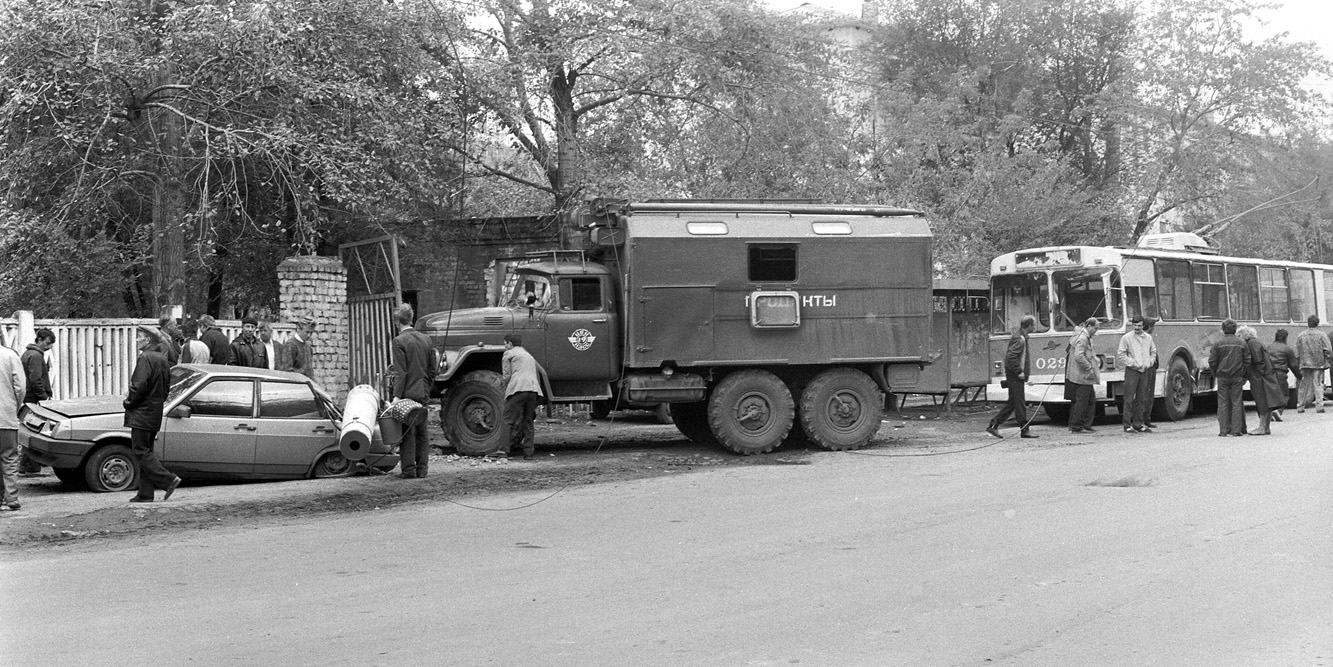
{"x":571,"y":450}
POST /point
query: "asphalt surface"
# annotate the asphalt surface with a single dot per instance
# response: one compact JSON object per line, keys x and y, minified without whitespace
{"x":1176,"y":548}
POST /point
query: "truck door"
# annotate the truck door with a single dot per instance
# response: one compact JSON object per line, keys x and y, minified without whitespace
{"x":582,"y":336}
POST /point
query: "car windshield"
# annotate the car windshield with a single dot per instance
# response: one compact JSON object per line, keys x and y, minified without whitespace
{"x":332,"y":408}
{"x":182,"y":378}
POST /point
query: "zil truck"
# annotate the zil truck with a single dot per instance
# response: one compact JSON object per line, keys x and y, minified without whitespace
{"x":758,"y":323}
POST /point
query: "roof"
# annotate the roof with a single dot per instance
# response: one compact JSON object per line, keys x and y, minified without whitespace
{"x":245,"y":371}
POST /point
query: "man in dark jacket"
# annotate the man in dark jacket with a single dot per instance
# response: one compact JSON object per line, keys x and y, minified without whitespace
{"x":247,"y":350}
{"x":38,"y":373}
{"x":143,"y":415}
{"x":1283,"y":360}
{"x":218,"y":347}
{"x":1016,"y":367}
{"x":297,"y":352}
{"x":413,"y":371}
{"x":1230,"y":361}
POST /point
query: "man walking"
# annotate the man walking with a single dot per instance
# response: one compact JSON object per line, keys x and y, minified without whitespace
{"x":143,"y":415}
{"x":218,"y":347}
{"x":1137,"y":354}
{"x":297,"y":352}
{"x":413,"y":371}
{"x":523,"y":390}
{"x":37,"y":372}
{"x":1229,"y":359}
{"x":11,"y":399}
{"x":1016,"y":367}
{"x":1313,"y":352}
{"x":1082,"y":372}
{"x":246,"y":349}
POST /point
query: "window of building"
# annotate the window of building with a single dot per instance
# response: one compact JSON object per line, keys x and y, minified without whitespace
{"x":772,"y":263}
{"x":1210,"y":291}
{"x":1173,"y":290}
{"x":1243,"y":292}
{"x":1273,"y":294}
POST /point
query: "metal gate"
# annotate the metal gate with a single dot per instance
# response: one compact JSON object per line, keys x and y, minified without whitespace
{"x":374,"y":290}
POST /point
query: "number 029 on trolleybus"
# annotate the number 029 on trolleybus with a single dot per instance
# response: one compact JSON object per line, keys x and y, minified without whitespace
{"x":1175,"y":278}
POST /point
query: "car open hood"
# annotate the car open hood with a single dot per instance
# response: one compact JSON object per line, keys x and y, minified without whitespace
{"x":93,"y":405}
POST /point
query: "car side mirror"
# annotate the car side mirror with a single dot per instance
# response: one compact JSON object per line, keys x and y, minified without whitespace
{"x":180,"y":412}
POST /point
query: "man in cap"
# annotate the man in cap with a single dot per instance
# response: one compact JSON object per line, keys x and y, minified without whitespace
{"x":246,"y":349}
{"x":143,"y":415}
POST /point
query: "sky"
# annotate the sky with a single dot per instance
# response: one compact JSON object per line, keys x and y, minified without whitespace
{"x":1304,"y":20}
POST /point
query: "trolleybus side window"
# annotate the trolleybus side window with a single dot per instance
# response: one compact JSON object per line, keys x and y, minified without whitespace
{"x":1173,"y":289}
{"x":1140,"y":288}
{"x":1328,"y":293}
{"x":1210,"y":291}
{"x":1080,"y":295}
{"x":1302,"y":293}
{"x":1243,"y":292}
{"x":1273,"y":294}
{"x":1017,"y":295}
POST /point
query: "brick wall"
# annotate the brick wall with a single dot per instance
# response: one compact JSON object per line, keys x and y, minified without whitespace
{"x":317,"y":287}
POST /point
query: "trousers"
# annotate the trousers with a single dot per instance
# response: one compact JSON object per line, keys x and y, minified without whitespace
{"x":1016,"y":407}
{"x":1080,"y":416}
{"x":1230,"y":408}
{"x":1310,"y":388}
{"x":152,"y":474}
{"x":414,"y":449}
{"x":1136,"y":404}
{"x":520,"y":411}
{"x":9,"y":465}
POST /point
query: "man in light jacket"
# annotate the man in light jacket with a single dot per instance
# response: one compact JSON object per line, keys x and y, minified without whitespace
{"x":1313,"y":352}
{"x":1082,"y":372}
{"x":13,"y":386}
{"x":523,"y":390}
{"x":1137,"y":354}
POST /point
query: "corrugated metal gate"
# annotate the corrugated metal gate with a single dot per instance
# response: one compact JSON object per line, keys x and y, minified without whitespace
{"x":374,"y":290}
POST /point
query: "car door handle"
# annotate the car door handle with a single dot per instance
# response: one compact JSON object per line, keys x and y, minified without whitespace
{"x":600,"y":320}
{"x":323,"y":429}
{"x":243,"y":426}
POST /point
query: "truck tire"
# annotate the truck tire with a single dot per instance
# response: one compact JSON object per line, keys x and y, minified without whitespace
{"x":1177,"y":392}
{"x":599,"y":409}
{"x":751,"y":412}
{"x":841,"y":409}
{"x":691,"y":419}
{"x":472,"y":414}
{"x":663,"y":413}
{"x":111,"y":468}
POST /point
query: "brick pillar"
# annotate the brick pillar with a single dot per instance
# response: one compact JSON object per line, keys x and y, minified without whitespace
{"x":317,"y":286}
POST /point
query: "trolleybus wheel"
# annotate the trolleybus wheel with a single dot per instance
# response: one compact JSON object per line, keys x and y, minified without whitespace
{"x":1177,"y":394}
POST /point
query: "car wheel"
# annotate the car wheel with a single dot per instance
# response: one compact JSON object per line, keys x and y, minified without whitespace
{"x":473,"y":414}
{"x":691,"y":419}
{"x":111,"y":468}
{"x":333,"y":464}
{"x":70,"y":476}
{"x":751,"y":412}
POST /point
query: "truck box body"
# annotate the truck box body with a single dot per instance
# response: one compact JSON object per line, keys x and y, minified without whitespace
{"x":864,"y":295}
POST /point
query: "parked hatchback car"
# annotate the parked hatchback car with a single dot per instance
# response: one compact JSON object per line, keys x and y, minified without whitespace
{"x":220,"y":422}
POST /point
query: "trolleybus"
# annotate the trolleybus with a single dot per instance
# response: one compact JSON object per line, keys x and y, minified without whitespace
{"x":1176,"y":278}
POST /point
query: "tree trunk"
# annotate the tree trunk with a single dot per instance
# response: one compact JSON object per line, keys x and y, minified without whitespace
{"x":169,"y":219}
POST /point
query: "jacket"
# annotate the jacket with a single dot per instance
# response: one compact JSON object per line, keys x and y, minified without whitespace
{"x":11,"y":397}
{"x":148,"y":391}
{"x":218,"y":347}
{"x":295,"y":355}
{"x":38,"y":374}
{"x":1283,"y":359}
{"x":194,"y":351}
{"x":1016,"y":362}
{"x":520,"y":372}
{"x":1230,"y":358}
{"x":1082,"y":366}
{"x":1137,"y":351}
{"x":413,"y":365}
{"x":1313,"y":349}
{"x":248,"y":352}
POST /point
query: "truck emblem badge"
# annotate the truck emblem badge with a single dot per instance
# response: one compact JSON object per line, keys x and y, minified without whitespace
{"x":581,"y":339}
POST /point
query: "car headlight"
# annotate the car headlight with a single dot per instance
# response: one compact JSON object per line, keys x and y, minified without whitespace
{"x":61,"y":429}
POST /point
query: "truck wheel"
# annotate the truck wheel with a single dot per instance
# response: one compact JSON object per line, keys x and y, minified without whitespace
{"x":111,"y":468}
{"x":663,"y":413}
{"x":72,"y":477}
{"x":473,"y":414}
{"x":691,"y":419}
{"x":1177,"y":394}
{"x":751,"y":412}
{"x":599,"y":409}
{"x":840,"y":409}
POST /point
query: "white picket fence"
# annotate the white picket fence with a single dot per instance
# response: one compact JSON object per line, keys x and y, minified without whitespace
{"x":94,"y":357}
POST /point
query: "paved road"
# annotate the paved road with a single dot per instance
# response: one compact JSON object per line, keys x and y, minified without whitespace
{"x":1174,"y":549}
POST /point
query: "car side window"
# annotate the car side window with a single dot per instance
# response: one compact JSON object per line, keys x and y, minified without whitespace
{"x":288,"y":400}
{"x":223,"y":398}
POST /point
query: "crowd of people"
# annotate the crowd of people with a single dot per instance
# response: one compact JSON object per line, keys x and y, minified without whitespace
{"x":1236,"y":360}
{"x":192,"y":341}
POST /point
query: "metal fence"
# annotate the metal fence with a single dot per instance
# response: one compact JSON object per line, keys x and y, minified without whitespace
{"x":94,"y":357}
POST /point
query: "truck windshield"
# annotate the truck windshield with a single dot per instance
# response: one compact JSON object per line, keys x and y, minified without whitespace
{"x":1081,"y":294}
{"x":532,"y":291}
{"x":1012,"y":297}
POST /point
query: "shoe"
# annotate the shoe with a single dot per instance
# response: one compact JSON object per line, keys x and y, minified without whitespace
{"x":500,"y":454}
{"x":137,"y":499}
{"x":421,"y":475}
{"x":1320,"y":411}
{"x":1149,"y":425}
{"x":1141,"y":429}
{"x":1300,"y":411}
{"x":527,"y":457}
{"x":404,"y":475}
{"x":1275,"y":416}
{"x":10,"y":507}
{"x":1264,"y":433}
{"x":171,"y":488}
{"x":1075,"y":430}
{"x":1089,"y":429}
{"x":1025,"y":434}
{"x":994,"y":432}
